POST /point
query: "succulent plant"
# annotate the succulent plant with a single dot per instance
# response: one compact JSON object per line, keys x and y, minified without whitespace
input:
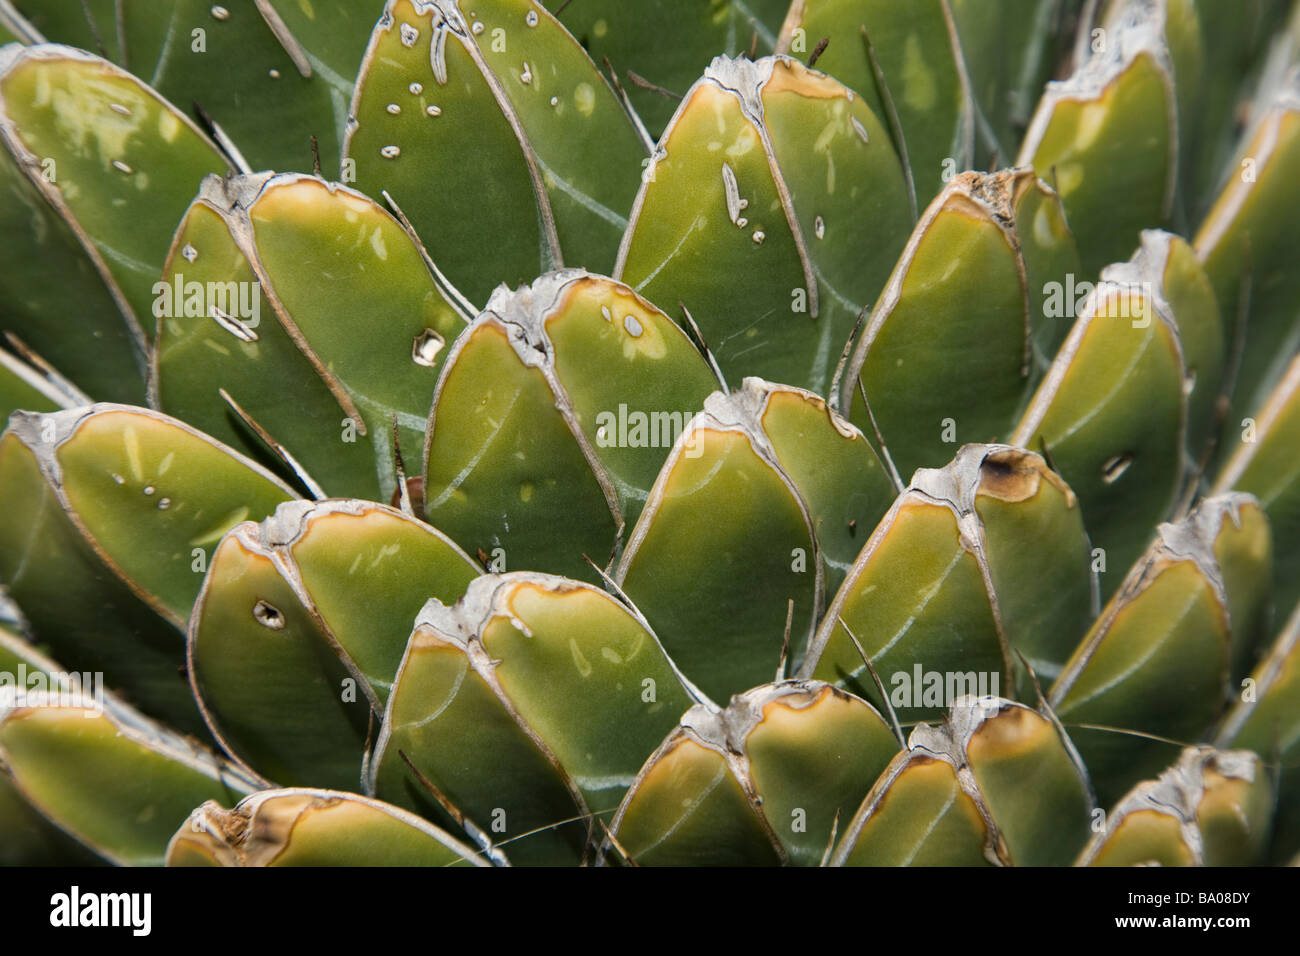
{"x":506,"y":433}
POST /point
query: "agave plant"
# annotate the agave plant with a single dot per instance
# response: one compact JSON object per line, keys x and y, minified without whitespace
{"x":501,"y":432}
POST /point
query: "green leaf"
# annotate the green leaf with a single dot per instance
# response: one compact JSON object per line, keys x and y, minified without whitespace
{"x":929,"y":819}
{"x":1039,"y":563}
{"x":319,"y":598}
{"x":294,"y":60}
{"x":1030,"y":776}
{"x":454,"y":718}
{"x":1168,"y":265}
{"x":366,"y":570}
{"x":276,"y":690}
{"x":985,"y":555}
{"x":552,"y":418}
{"x":88,"y":25}
{"x":814,"y":753}
{"x":118,"y":507}
{"x":912,"y":45}
{"x":1245,"y":245}
{"x":788,"y":761}
{"x":1007,"y":48}
{"x":772,"y":208}
{"x":1211,"y":808}
{"x":965,"y":295}
{"x":1265,"y":720}
{"x":723,"y":560}
{"x":1264,"y":464}
{"x":1106,"y":139}
{"x":1233,"y":36}
{"x":1122,"y":354}
{"x":117,"y":782}
{"x":588,"y":152}
{"x":833,"y":466}
{"x":318,"y":262}
{"x":668,"y":44}
{"x":26,"y":837}
{"x":581,"y":674}
{"x":688,"y":808}
{"x":996,"y":782}
{"x":313,"y":828}
{"x":1154,"y":668}
{"x":503,"y":111}
{"x":47,"y":274}
{"x":112,"y":157}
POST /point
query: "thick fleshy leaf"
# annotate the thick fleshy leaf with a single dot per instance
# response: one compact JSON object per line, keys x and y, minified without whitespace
{"x":972,"y":291}
{"x":1167,"y":265}
{"x":275,"y":691}
{"x":1122,"y":354}
{"x":144,"y":489}
{"x":274,"y":95}
{"x":26,"y":837}
{"x":579,"y":673}
{"x":1177,"y":29}
{"x":1246,"y":245}
{"x":295,"y":60}
{"x":1154,"y":668}
{"x":831,"y":463}
{"x":453,"y":716}
{"x":995,"y":783}
{"x":47,"y":275}
{"x":114,"y":159}
{"x":367,"y":570}
{"x":985,"y":555}
{"x":313,"y":828}
{"x":553,"y":668}
{"x":1030,"y":775}
{"x":318,"y":599}
{"x":333,"y":34}
{"x":272,"y":283}
{"x":589,"y":154}
{"x":552,"y":417}
{"x":1232,"y":37}
{"x":788,"y":761}
{"x":117,"y":782}
{"x":686,"y":792}
{"x":929,"y":819}
{"x":583,"y":672}
{"x":668,"y":44}
{"x":1243,"y":540}
{"x":1267,"y":721}
{"x":503,"y":111}
{"x":918,"y":601}
{"x":1107,"y":138}
{"x":773,"y":209}
{"x":1264,"y":463}
{"x":724,"y":558}
{"x":113,"y":513}
{"x":912,"y":46}
{"x":1211,"y":808}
